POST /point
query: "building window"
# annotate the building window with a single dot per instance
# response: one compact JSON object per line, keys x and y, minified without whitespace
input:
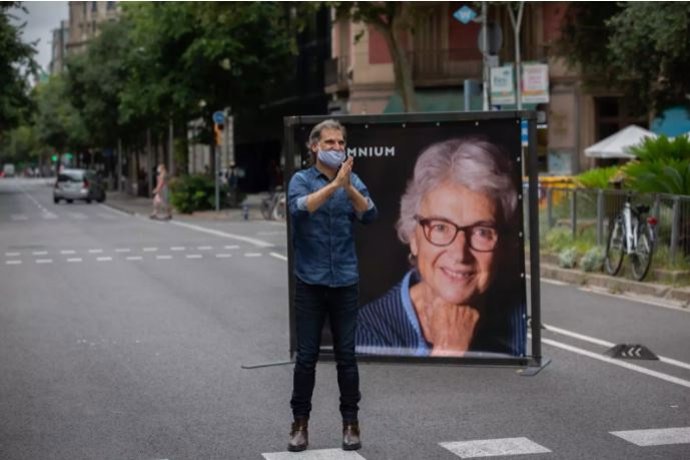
{"x":94,"y":7}
{"x":110,"y":5}
{"x":612,"y":115}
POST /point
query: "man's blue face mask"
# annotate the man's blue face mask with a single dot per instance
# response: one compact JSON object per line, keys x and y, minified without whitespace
{"x":331,"y":158}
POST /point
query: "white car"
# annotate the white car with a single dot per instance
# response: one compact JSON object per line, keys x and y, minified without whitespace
{"x":78,"y":184}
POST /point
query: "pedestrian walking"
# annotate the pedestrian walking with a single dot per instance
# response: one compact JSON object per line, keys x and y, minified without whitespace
{"x":325,"y":200}
{"x":161,"y":194}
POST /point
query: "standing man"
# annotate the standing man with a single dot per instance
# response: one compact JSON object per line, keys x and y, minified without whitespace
{"x":325,"y":200}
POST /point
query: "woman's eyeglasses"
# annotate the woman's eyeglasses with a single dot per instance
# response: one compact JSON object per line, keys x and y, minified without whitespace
{"x":441,"y":232}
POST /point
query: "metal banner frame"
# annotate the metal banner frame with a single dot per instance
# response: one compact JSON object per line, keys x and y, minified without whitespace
{"x":292,"y":152}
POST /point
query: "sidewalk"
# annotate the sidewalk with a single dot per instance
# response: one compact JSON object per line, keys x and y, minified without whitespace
{"x":143,"y":206}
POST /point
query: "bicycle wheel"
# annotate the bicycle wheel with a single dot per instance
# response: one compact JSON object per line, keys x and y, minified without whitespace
{"x":615,"y":248}
{"x":641,"y":259}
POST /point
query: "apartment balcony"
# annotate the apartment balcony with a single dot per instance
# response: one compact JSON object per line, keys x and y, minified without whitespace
{"x":444,"y":67}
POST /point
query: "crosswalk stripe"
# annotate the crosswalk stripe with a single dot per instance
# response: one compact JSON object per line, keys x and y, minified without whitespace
{"x":252,"y":254}
{"x":95,"y":251}
{"x":223,"y":256}
{"x":49,"y":215}
{"x":13,"y":262}
{"x":656,"y":437}
{"x":150,"y":249}
{"x":104,"y":259}
{"x":494,"y":447}
{"x":11,"y":254}
{"x":40,"y":253}
{"x":134,"y":258}
{"x":122,"y":250}
{"x":319,"y":454}
{"x":163,"y":257}
{"x":44,"y":261}
{"x":204,"y":248}
{"x":177,"y":248}
{"x":74,"y":259}
{"x":231,"y":246}
{"x":194,"y":256}
{"x":67,"y":251}
{"x":77,"y":215}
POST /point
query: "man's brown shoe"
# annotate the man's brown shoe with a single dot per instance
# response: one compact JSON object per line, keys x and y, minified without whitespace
{"x":299,"y":436}
{"x":351,"y":439}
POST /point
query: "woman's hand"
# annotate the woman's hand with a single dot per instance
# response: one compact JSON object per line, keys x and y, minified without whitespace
{"x":449,"y":328}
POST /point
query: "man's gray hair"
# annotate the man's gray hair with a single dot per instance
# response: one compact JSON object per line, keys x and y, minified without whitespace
{"x":472,"y":162}
{"x":315,"y":133}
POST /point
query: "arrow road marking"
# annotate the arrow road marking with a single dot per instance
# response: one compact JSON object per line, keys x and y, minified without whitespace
{"x":604,"y":343}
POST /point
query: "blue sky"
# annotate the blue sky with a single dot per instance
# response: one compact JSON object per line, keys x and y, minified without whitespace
{"x":41,"y":19}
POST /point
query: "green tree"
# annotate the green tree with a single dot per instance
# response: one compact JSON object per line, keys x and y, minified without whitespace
{"x":662,"y":166}
{"x":58,"y":123}
{"x":16,"y":64}
{"x":640,"y":48}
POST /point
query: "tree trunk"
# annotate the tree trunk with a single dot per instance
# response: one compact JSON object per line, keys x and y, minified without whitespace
{"x":401,"y":68}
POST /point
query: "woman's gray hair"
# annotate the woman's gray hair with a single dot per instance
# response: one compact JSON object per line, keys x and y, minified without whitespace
{"x":472,"y":162}
{"x":315,"y":134}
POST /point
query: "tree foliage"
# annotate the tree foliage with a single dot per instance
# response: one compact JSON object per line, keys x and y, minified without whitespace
{"x":16,"y":64}
{"x":58,"y":123}
{"x":640,"y":48}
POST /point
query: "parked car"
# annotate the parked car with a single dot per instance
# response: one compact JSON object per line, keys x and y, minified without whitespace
{"x":78,"y":184}
{"x":8,"y":170}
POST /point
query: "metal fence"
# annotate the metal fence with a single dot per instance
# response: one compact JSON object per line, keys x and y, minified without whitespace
{"x":587,"y":213}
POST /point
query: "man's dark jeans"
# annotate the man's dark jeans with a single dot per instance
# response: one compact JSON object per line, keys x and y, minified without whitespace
{"x":312,"y":305}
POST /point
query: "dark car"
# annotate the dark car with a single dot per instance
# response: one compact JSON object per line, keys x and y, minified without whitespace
{"x":78,"y":184}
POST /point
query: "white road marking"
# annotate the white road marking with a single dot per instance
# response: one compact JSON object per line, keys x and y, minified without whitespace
{"x":270,"y":233}
{"x":104,"y":259}
{"x":278,"y":256}
{"x":134,"y":258}
{"x":252,"y":254}
{"x":204,"y":248}
{"x":150,"y":249}
{"x":49,"y":215}
{"x":232,"y":246}
{"x":319,"y":454}
{"x":13,"y":262}
{"x":604,"y":343}
{"x":19,"y":217}
{"x":674,"y":305}
{"x":11,"y":254}
{"x":656,"y":437}
{"x":246,"y":239}
{"x":163,"y":257}
{"x":40,"y":253}
{"x":494,"y":447}
{"x":194,"y":256}
{"x":78,"y":215}
{"x":44,"y":261}
{"x":68,"y":251}
{"x":177,"y":248}
{"x":122,"y":250}
{"x":223,"y":256}
{"x":95,"y":251}
{"x":616,"y":362}
{"x":74,"y":259}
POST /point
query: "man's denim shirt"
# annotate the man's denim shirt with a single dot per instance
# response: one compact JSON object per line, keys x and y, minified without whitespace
{"x":323,"y":242}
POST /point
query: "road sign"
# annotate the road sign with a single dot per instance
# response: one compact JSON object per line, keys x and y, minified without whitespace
{"x":465,"y":14}
{"x":219,"y":118}
{"x":524,"y":133}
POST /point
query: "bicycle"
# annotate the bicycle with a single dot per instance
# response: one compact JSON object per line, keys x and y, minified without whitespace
{"x":632,"y":234}
{"x":273,"y":206}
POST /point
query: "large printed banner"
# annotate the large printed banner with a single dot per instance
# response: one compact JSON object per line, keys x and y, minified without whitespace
{"x":442,"y":269}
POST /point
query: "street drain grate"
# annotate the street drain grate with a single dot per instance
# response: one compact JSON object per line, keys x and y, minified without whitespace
{"x":631,"y":351}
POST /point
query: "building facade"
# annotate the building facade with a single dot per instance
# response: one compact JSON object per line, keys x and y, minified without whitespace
{"x":84,"y":19}
{"x":444,"y":52}
{"x":59,"y":48}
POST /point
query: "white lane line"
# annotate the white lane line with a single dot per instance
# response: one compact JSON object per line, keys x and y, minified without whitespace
{"x":163,"y":257}
{"x":319,"y":454}
{"x":68,"y":251}
{"x":271,"y":233}
{"x":95,"y":251}
{"x":604,"y":343}
{"x":231,"y":246}
{"x":11,"y":254}
{"x":122,"y":250}
{"x":194,"y":256}
{"x":104,"y":259}
{"x":656,"y":437}
{"x":177,"y":248}
{"x":252,"y":254}
{"x":677,"y":305}
{"x":246,"y":239}
{"x":616,"y":362}
{"x":134,"y":258}
{"x":494,"y":447}
{"x":49,"y":215}
{"x":278,"y":256}
{"x":13,"y":262}
{"x":44,"y":261}
{"x":150,"y":249}
{"x":223,"y":256}
{"x":40,"y":253}
{"x":204,"y":248}
{"x":74,"y":259}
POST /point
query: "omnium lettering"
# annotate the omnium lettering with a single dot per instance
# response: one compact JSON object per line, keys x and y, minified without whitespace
{"x":379,"y":151}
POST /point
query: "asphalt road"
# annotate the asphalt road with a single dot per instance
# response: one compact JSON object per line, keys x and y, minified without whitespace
{"x":124,"y":338}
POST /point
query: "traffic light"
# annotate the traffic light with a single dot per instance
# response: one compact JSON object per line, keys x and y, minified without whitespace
{"x":218,"y":131}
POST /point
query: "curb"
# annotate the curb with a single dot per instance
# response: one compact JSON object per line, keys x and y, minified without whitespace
{"x":615,"y":285}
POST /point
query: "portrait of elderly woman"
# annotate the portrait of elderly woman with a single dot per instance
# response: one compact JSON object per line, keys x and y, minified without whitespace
{"x":463,"y":294}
